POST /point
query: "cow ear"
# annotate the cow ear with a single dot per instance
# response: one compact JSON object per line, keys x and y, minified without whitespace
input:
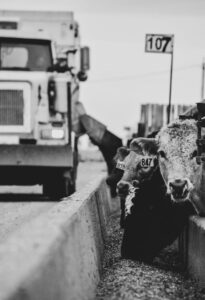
{"x":144,"y":145}
{"x":136,"y":146}
{"x":122,"y":152}
{"x":152,"y":146}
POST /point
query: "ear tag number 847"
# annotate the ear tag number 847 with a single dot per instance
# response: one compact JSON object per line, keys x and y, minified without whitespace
{"x":147,"y":162}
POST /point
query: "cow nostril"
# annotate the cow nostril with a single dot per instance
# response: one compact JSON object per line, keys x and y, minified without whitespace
{"x":171,"y":185}
{"x":119,"y":185}
{"x":135,"y":183}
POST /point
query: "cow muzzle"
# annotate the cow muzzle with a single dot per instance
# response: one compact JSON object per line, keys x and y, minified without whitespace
{"x":114,"y":177}
{"x":123,"y":188}
{"x":179,"y":189}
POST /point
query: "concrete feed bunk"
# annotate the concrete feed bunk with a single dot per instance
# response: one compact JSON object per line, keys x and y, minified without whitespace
{"x":58,"y":255}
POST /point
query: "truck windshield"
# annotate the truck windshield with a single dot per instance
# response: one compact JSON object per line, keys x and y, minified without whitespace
{"x":24,"y":54}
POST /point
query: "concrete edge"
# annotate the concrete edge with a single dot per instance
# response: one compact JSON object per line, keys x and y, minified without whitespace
{"x":58,"y":255}
{"x":192,"y":248}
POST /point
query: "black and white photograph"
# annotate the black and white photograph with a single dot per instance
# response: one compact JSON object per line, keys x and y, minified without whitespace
{"x":102,"y":150}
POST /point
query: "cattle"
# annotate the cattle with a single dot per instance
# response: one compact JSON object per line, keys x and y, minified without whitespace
{"x":115,"y":176}
{"x":177,"y":152}
{"x":139,"y":164}
{"x":117,"y":173}
{"x":153,"y":220}
{"x":140,"y":148}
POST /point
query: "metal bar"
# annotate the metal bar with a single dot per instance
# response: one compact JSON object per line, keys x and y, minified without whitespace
{"x":170,"y":88}
{"x":202,"y":81}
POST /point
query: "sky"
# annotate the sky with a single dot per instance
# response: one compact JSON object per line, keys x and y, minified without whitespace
{"x":122,"y":74}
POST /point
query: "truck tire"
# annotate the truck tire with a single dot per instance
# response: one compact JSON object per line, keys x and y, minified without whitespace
{"x":58,"y":187}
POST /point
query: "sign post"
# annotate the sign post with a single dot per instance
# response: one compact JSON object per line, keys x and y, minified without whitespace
{"x":162,"y":43}
{"x":202,"y":80}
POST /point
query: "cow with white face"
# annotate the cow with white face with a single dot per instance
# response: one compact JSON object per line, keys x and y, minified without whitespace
{"x":177,"y":150}
{"x":152,"y":220}
{"x":115,"y":176}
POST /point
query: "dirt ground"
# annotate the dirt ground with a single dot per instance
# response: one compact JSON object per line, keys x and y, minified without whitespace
{"x":164,"y":279}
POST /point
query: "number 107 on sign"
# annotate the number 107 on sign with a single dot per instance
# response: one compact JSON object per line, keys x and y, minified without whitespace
{"x":159,"y":43}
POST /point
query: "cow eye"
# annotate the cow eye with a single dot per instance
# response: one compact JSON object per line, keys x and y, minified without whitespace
{"x":162,"y":154}
{"x":194,"y":154}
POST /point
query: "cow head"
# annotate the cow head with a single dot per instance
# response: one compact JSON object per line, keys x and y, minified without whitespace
{"x":139,"y":164}
{"x":177,"y":158}
{"x":117,"y":172}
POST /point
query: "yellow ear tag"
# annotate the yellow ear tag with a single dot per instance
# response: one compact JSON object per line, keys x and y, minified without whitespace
{"x":120,"y":165}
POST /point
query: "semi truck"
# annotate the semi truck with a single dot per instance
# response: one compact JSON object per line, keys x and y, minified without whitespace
{"x":41,"y":66}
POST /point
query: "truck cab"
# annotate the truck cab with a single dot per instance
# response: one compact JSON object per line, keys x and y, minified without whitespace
{"x":39,"y":88}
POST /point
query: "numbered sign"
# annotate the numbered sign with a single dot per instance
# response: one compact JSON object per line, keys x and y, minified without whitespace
{"x":159,"y":43}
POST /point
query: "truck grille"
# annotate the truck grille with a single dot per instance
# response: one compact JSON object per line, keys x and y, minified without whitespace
{"x":11,"y":107}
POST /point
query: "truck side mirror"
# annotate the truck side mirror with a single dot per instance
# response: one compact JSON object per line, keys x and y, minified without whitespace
{"x":82,"y":76}
{"x":84,"y":59}
{"x":84,"y":63}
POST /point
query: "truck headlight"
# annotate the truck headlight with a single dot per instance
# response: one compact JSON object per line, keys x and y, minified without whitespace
{"x":57,"y":134}
{"x":53,"y":133}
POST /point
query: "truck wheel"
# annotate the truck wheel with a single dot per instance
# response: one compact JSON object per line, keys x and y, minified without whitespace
{"x":58,"y":188}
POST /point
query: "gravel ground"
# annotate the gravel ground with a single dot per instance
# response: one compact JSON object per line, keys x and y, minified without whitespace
{"x":124,"y":279}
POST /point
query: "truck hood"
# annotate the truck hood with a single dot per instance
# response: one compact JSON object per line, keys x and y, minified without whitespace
{"x":17,"y":76}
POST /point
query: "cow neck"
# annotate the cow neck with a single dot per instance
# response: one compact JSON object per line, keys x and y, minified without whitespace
{"x":154,"y":188}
